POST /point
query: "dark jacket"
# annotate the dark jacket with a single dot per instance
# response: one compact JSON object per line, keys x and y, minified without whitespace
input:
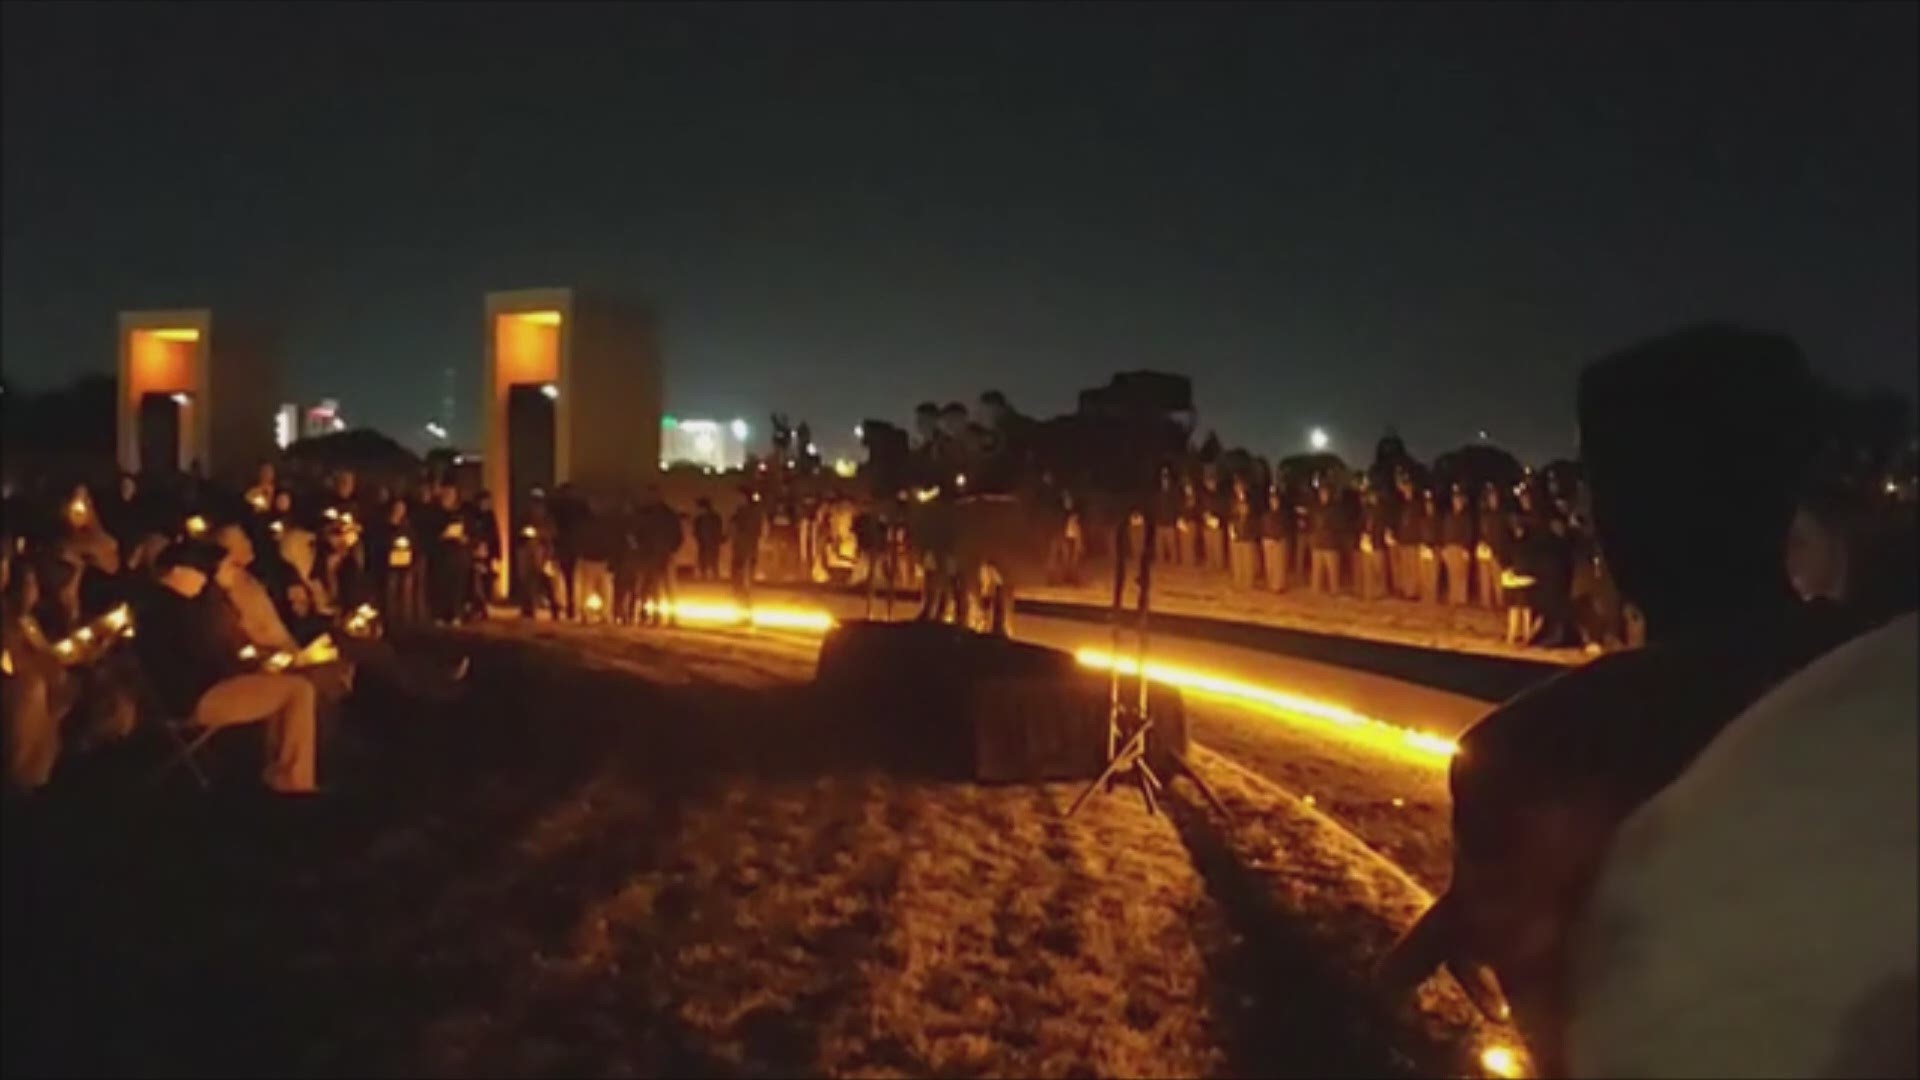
{"x":663,"y":532}
{"x":601,"y":538}
{"x":1276,"y":523}
{"x":745,"y":528}
{"x":1375,"y":517}
{"x":186,"y":646}
{"x":1493,"y":531}
{"x":1324,"y":522}
{"x":1456,"y":529}
{"x":708,"y":529}
{"x":1409,"y":521}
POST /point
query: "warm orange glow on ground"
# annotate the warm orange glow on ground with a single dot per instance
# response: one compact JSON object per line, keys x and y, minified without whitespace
{"x":771,"y":617}
{"x":1280,"y":703}
{"x":1419,"y":745}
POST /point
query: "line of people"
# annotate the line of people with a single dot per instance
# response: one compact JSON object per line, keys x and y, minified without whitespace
{"x":1521,"y":551}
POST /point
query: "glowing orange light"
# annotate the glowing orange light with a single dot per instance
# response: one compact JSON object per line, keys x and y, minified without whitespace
{"x":1500,"y":1061}
{"x":1511,"y":580}
{"x":180,"y":333}
{"x":1278,"y":703}
{"x":595,"y":605}
{"x":539,"y":318}
{"x":196,"y":525}
{"x":6,"y":662}
{"x":773,"y":617}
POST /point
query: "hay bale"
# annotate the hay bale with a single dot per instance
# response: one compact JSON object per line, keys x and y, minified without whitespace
{"x":977,"y":706}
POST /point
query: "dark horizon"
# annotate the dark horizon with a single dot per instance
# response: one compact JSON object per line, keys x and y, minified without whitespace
{"x":1348,"y":217}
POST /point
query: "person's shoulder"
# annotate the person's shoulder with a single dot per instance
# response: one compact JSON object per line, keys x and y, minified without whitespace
{"x":1553,"y":698}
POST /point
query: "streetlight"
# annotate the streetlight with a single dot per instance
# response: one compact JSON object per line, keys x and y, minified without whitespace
{"x":1317,"y":438}
{"x":552,"y":391}
{"x":435,"y":430}
{"x":740,"y":430}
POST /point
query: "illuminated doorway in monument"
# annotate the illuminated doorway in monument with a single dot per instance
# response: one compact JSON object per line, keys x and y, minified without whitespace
{"x":530,"y":445}
{"x":523,"y":452}
{"x":161,"y":425}
{"x":163,"y":370}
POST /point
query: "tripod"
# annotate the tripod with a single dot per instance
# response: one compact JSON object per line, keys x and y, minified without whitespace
{"x":1129,"y":725}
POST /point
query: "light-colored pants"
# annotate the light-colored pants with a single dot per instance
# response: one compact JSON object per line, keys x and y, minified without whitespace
{"x":1166,"y":542}
{"x":33,"y":732}
{"x":288,"y":704}
{"x":1427,"y":563}
{"x":1457,"y":560}
{"x":1273,"y":556}
{"x":1487,"y":582}
{"x":1241,"y":564}
{"x":1406,"y":571}
{"x":1373,"y":574}
{"x":1216,"y":548}
{"x":1325,"y":574}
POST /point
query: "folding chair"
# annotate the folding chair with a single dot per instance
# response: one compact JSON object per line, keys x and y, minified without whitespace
{"x":186,"y":738}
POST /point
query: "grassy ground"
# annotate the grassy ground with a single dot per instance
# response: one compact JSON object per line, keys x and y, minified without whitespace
{"x":643,"y":855}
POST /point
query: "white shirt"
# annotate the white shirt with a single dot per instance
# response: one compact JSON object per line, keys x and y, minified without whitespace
{"x":1757,"y":918}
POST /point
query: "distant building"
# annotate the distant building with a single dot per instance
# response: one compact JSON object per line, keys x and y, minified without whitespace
{"x":710,"y":444}
{"x":286,"y":425}
{"x":322,"y":419}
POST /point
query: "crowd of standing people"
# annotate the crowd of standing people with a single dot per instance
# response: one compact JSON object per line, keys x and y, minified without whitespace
{"x":1525,"y":549}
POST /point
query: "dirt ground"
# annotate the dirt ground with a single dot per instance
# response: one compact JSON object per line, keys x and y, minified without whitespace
{"x":632,"y":854}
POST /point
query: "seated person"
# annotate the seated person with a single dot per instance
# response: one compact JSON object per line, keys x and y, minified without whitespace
{"x":195,"y":655}
{"x":259,"y":619}
{"x":51,"y":683}
{"x":303,"y":621}
{"x":37,"y":693}
{"x":303,"y":608}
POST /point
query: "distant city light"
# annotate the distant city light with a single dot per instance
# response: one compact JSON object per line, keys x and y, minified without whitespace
{"x":1317,"y":438}
{"x":552,"y":392}
{"x":1483,"y":434}
{"x":859,"y":431}
{"x":845,"y":468}
{"x":813,"y":450}
{"x":435,"y":430}
{"x":711,"y":444}
{"x":740,"y":429}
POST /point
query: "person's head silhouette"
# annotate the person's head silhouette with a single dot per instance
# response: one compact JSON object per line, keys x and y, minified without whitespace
{"x":1695,"y":552}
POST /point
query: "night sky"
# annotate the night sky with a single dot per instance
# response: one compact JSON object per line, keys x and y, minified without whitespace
{"x":1348,"y":216}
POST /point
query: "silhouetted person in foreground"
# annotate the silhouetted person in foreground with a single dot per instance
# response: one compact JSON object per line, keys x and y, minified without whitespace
{"x":708,"y":534}
{"x":1541,"y":784}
